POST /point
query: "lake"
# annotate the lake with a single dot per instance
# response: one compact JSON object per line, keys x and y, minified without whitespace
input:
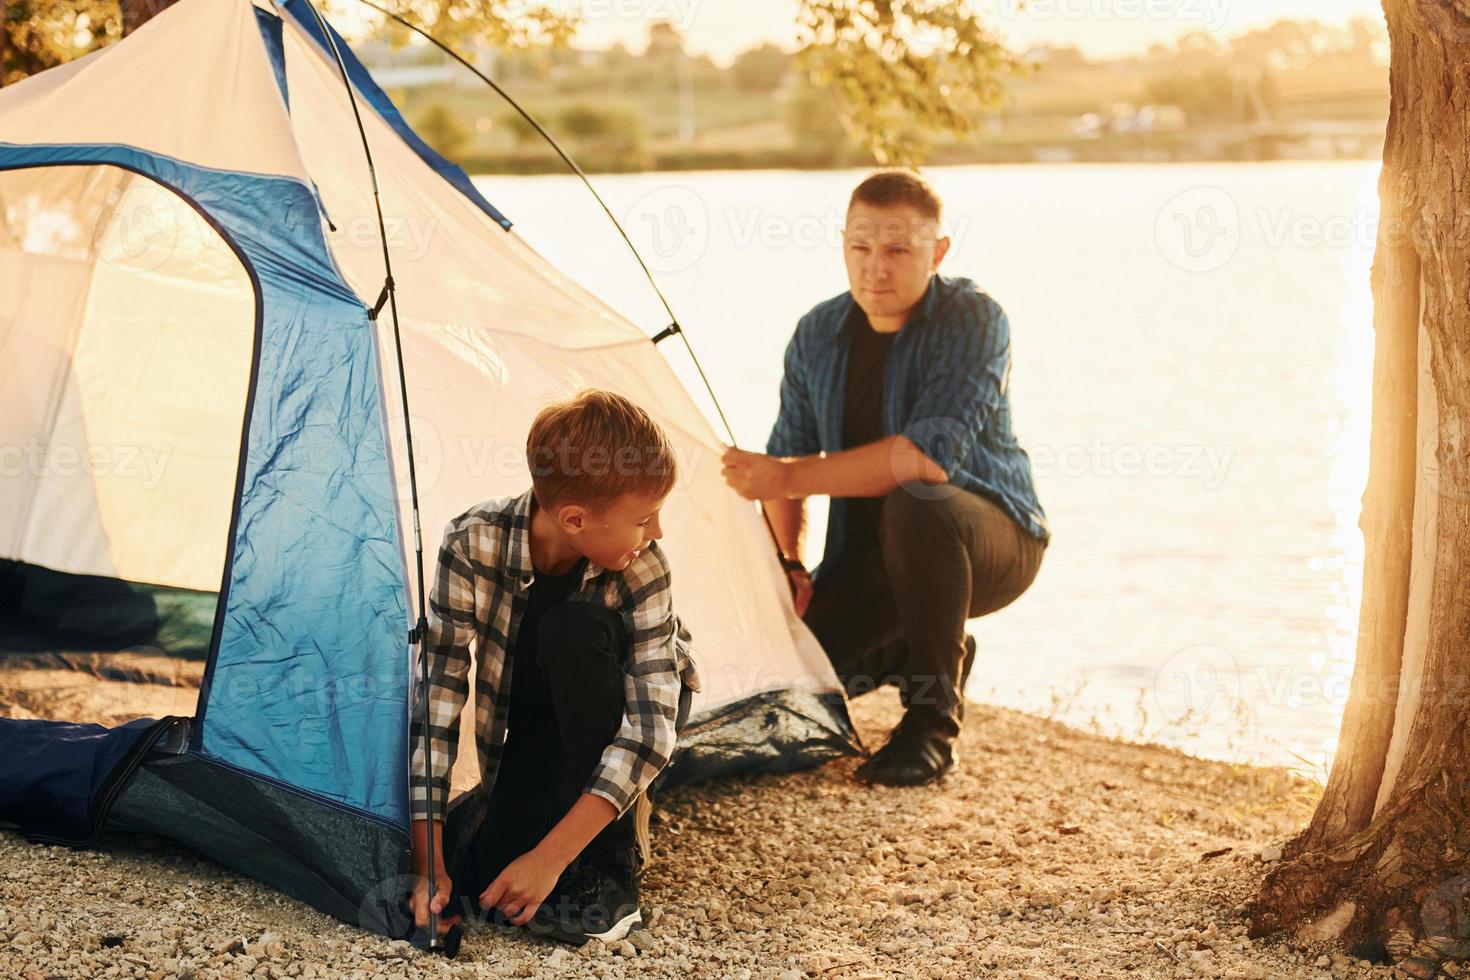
{"x":1192,"y":351}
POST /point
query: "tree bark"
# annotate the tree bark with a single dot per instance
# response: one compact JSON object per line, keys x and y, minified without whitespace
{"x":136,"y":13}
{"x":1384,"y":865}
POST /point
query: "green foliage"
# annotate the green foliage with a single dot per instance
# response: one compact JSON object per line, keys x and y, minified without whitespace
{"x":513,"y":124}
{"x":600,"y":123}
{"x":762,"y":69}
{"x":443,"y":129}
{"x":898,"y":71}
{"x":503,"y":24}
{"x":39,"y":34}
{"x":813,"y":118}
{"x":904,"y":69}
{"x":1239,"y":80}
{"x":1212,"y":94}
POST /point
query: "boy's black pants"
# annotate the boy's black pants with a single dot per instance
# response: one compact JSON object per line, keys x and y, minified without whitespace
{"x":582,"y":648}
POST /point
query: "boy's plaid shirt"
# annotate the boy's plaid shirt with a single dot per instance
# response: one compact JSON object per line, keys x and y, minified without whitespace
{"x":478,"y":596}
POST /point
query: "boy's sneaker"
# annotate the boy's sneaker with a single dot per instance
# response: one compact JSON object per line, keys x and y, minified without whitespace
{"x":592,"y":900}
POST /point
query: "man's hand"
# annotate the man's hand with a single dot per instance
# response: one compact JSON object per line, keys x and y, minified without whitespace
{"x":801,"y":588}
{"x":524,"y":884}
{"x":756,"y":476}
{"x":421,"y":903}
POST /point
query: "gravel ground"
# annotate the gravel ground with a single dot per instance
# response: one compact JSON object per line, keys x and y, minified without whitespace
{"x":1050,"y":853}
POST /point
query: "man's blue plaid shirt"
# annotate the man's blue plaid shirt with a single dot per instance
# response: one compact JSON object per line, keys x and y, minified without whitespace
{"x":945,"y":389}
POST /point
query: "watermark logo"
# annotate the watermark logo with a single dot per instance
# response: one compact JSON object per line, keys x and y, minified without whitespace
{"x":945,"y":441}
{"x":679,"y":14}
{"x":1198,"y":230}
{"x":671,"y":226}
{"x":1198,"y":687}
{"x":151,"y":230}
{"x":428,"y":457}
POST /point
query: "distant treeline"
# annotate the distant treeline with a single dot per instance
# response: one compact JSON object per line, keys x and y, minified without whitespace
{"x":666,"y":109}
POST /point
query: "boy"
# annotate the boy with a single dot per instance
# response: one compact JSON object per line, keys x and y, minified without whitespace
{"x":584,"y":676}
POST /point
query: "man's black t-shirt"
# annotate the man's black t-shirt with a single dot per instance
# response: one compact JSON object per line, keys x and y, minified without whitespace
{"x":862,"y":418}
{"x":530,"y":697}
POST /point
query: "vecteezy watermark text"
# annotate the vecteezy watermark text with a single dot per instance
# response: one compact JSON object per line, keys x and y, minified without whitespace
{"x":129,"y":462}
{"x":1206,"y":463}
{"x":1208,"y":14}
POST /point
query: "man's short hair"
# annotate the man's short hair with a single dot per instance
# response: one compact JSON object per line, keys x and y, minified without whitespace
{"x":594,"y":448}
{"x":887,"y":188}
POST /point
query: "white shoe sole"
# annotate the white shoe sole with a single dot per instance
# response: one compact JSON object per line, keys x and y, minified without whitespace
{"x":619,"y":929}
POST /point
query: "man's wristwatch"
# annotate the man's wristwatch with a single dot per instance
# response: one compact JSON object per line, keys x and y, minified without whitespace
{"x":792,"y":564}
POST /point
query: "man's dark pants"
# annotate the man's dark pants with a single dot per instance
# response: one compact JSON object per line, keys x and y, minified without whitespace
{"x":893,"y":611}
{"x":582,"y":647}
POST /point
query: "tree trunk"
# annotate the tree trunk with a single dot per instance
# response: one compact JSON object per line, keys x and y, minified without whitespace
{"x":1385,"y":864}
{"x":136,"y":13}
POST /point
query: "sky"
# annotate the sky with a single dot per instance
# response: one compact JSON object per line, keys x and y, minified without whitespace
{"x":1101,"y":28}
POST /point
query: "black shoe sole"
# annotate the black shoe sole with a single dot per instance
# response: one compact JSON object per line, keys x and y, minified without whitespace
{"x":879,"y":778}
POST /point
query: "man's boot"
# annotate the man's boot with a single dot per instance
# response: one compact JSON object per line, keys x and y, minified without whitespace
{"x":919,"y":751}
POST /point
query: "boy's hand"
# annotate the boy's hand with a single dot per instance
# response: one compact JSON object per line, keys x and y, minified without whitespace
{"x":524,"y":884}
{"x":421,"y":904}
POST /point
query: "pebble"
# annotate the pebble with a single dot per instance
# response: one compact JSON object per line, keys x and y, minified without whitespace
{"x":794,"y":876}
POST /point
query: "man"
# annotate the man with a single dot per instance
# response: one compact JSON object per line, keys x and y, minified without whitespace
{"x":894,"y":403}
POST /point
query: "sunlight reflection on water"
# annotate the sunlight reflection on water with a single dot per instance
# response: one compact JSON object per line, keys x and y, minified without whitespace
{"x":1196,"y":408}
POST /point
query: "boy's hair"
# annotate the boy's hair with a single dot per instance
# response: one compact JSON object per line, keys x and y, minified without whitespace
{"x":889,"y":187}
{"x":595,"y":447}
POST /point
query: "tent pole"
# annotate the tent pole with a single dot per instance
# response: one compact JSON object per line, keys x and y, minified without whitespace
{"x":419,"y":634}
{"x":787,"y":561}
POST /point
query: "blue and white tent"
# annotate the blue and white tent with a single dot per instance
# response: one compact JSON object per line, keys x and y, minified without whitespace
{"x":208,"y":431}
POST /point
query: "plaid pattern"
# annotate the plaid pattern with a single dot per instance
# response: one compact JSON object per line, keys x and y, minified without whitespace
{"x":945,"y":388}
{"x":478,"y":596}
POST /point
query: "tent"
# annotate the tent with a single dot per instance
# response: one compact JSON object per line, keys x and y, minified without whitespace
{"x":204,"y":494}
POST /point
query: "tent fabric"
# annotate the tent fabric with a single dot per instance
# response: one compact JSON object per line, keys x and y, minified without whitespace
{"x":295,"y":687}
{"x":270,"y":34}
{"x":188,"y":250}
{"x":162,"y":89}
{"x":105,"y":274}
{"x":46,"y":610}
{"x":330,"y":858}
{"x":385,"y":108}
{"x":480,"y":311}
{"x":776,"y":731}
{"x":57,"y":778}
